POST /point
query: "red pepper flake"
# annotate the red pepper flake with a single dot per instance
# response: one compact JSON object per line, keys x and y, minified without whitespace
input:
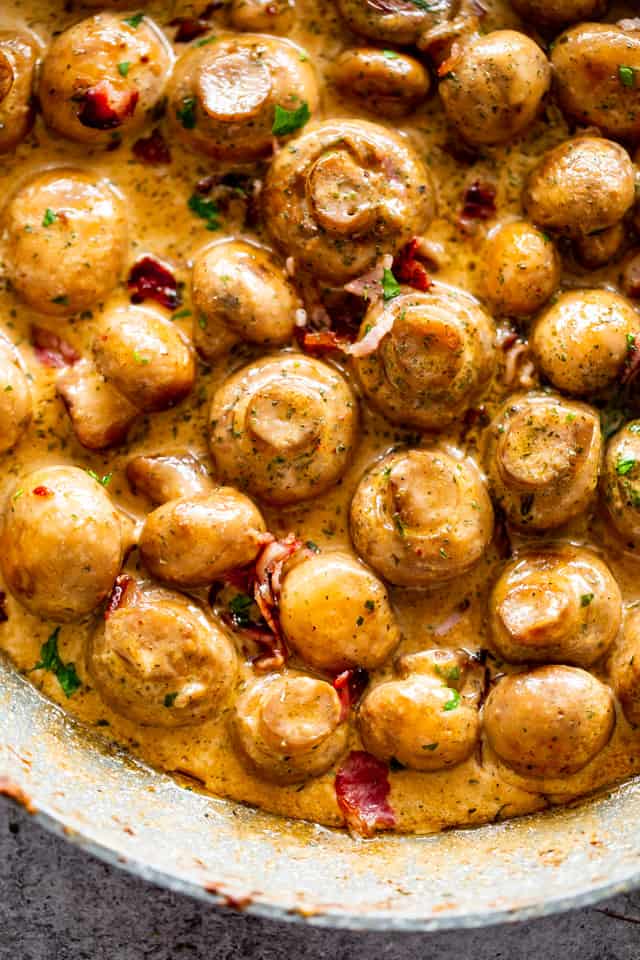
{"x":103,"y":107}
{"x":479,"y":203}
{"x":149,"y":279}
{"x":4,"y":616}
{"x":117,"y":597}
{"x":152,"y":150}
{"x":408,"y":269}
{"x":322,"y":341}
{"x":362,"y":791}
{"x":42,"y":492}
{"x":189,"y":28}
{"x":51,"y":350}
{"x":350,"y":685}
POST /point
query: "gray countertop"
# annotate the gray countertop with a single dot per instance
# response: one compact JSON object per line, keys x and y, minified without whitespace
{"x":58,"y":903}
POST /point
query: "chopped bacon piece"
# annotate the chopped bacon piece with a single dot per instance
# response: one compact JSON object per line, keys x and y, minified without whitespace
{"x":42,"y":492}
{"x":153,"y":150}
{"x":479,"y":203}
{"x":189,"y":28}
{"x":631,"y":364}
{"x":362,"y":790}
{"x":103,"y":107}
{"x":374,"y":337}
{"x":118,"y":594}
{"x":322,"y":341}
{"x":51,"y":350}
{"x":4,"y":616}
{"x":369,"y":285}
{"x":149,"y":279}
{"x":408,"y":269}
{"x":350,"y":685}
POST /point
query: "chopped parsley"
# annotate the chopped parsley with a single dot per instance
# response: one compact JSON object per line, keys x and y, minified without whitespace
{"x":202,"y":322}
{"x":240,"y":607}
{"x":170,"y":699}
{"x":49,"y":217}
{"x":187,"y":113}
{"x":625,"y":466}
{"x":205,"y":40}
{"x":390,"y":54}
{"x":288,"y":121}
{"x":586,"y":599}
{"x":123,"y":68}
{"x":139,"y":358}
{"x":454,"y":701}
{"x":390,"y":286}
{"x":370,"y":605}
{"x":206,"y":209}
{"x":63,"y":300}
{"x":135,"y":20}
{"x":310,"y":545}
{"x":430,"y":746}
{"x":50,"y":660}
{"x":627,"y":76}
{"x":103,"y":481}
{"x":181,"y":314}
{"x":422,"y":4}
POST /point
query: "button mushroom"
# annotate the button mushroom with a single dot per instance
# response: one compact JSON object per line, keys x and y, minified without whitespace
{"x":16,"y":402}
{"x":19,"y":55}
{"x":521,"y":269}
{"x":621,"y":483}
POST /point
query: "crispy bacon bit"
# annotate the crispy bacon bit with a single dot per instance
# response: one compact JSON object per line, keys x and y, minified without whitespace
{"x":189,"y":28}
{"x":152,"y":150}
{"x":10,"y":789}
{"x":350,"y":685}
{"x":103,"y":107}
{"x":51,"y":350}
{"x":42,"y":492}
{"x":408,"y":269}
{"x":374,"y":337}
{"x":118,"y":594}
{"x":322,"y":341}
{"x":369,"y":285}
{"x":362,"y":791}
{"x":479,"y":203}
{"x":4,"y":616}
{"x":150,"y":279}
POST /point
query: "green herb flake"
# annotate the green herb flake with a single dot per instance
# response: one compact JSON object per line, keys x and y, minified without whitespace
{"x":369,"y":605}
{"x":310,"y":545}
{"x":390,"y":54}
{"x":139,"y":358}
{"x":627,"y":76}
{"x":204,"y":41}
{"x":63,"y":300}
{"x":288,"y":121}
{"x":586,"y":599}
{"x":206,"y":209}
{"x":50,"y":660}
{"x":170,"y":699}
{"x":135,"y":20}
{"x":187,"y":113}
{"x":123,"y":68}
{"x":181,"y":314}
{"x":359,"y":621}
{"x":390,"y":286}
{"x":103,"y":481}
{"x":623,"y":467}
{"x":454,"y":701}
{"x":202,"y":322}
{"x":49,"y":217}
{"x":430,"y":746}
{"x":18,"y":494}
{"x":239,"y":606}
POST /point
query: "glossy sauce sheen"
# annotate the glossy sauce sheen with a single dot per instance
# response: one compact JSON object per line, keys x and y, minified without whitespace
{"x":478,"y":789}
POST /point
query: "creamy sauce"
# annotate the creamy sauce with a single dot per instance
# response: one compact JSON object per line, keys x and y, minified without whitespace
{"x":479,"y":789}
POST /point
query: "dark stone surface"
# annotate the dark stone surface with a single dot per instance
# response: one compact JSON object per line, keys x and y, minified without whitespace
{"x":57,"y":903}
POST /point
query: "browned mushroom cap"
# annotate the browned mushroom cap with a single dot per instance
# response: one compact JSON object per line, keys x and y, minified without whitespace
{"x":19,"y":52}
{"x":223,"y":96}
{"x":558,"y":605}
{"x":521,"y":269}
{"x":346,"y":179}
{"x":290,"y":728}
{"x":598,"y":249}
{"x":582,"y":342}
{"x":191,"y":541}
{"x":103,"y":76}
{"x":263,"y":16}
{"x":427,"y":720}
{"x":336,"y":614}
{"x":100,"y":414}
{"x":542,"y":457}
{"x":494,"y":86}
{"x":16,"y":402}
{"x":65,"y":240}
{"x":144,"y":356}
{"x":164,"y":477}
{"x":549,"y":722}
{"x":158,"y":659}
{"x":581,"y":186}
{"x":555,"y":13}
{"x":240,"y":292}
{"x":624,"y":668}
{"x":621,"y":483}
{"x":434,"y":361}
{"x":596,"y":69}
{"x":61,"y":545}
{"x":422,"y":517}
{"x":394,"y":21}
{"x":387,"y":84}
{"x":284,"y":428}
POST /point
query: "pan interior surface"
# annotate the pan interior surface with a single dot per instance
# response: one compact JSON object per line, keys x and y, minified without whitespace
{"x":78,"y":783}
